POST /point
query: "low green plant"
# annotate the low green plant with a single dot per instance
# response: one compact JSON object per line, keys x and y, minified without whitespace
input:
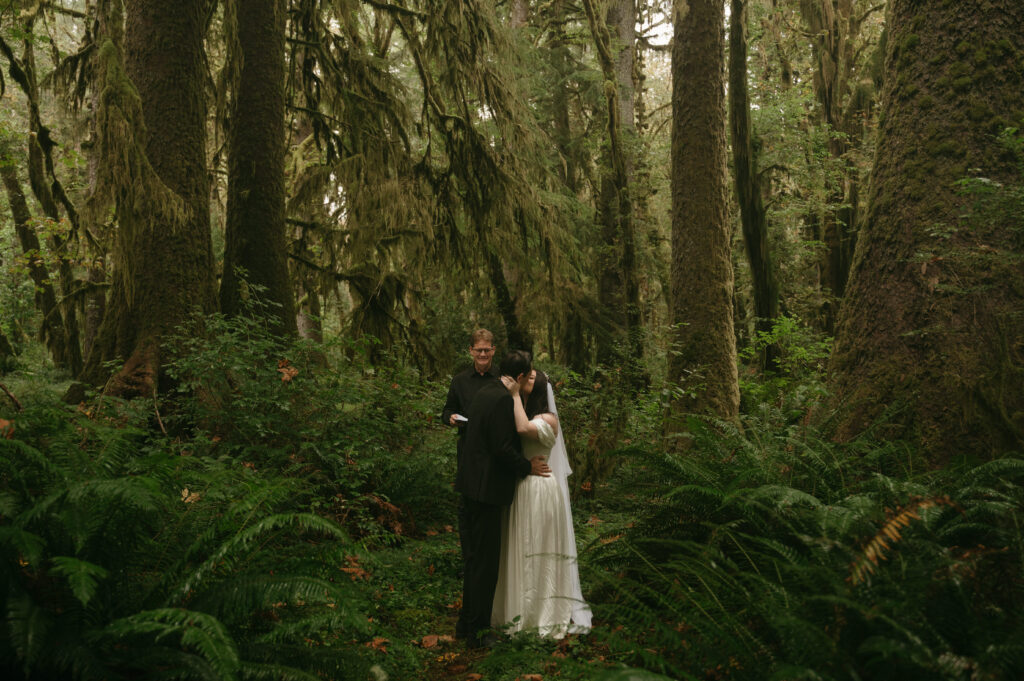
{"x":791,"y":557}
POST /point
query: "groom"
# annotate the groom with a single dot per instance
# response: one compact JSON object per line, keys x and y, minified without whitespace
{"x":490,"y":463}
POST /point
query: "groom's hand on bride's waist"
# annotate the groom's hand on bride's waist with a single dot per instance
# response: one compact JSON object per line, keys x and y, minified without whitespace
{"x":539,"y":466}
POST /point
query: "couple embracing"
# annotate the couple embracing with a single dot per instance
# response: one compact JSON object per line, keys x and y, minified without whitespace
{"x":515,"y":522}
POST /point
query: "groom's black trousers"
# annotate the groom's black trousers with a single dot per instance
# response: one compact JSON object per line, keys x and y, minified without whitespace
{"x":480,"y":534}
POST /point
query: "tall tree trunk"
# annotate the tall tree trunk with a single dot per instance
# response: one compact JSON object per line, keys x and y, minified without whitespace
{"x":48,"y":190}
{"x":255,"y":242}
{"x":930,"y":335}
{"x":703,"y":358}
{"x":618,"y":287}
{"x":835,"y":26}
{"x":52,"y":325}
{"x":518,"y":338}
{"x":152,"y":135}
{"x":748,"y":184}
{"x":6,"y":351}
{"x":561,"y":64}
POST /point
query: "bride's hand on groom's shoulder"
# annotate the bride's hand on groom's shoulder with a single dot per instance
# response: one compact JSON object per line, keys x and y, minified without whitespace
{"x":539,"y":466}
{"x":510,"y":383}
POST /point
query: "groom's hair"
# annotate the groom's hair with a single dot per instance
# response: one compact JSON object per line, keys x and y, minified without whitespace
{"x":515,"y":363}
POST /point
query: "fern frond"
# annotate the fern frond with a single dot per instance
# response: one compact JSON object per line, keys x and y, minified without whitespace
{"x":997,"y":471}
{"x":242,"y":542}
{"x":28,"y":626}
{"x":248,"y":593}
{"x":83,"y":577}
{"x":30,"y":546}
{"x":888,"y":536}
{"x":274,"y":672}
{"x":783,"y":497}
{"x":18,"y":457}
{"x":311,"y":626}
{"x":195,"y":630}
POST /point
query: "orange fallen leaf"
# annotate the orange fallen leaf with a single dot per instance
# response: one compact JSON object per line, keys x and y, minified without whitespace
{"x":474,"y":676}
{"x":609,"y":540}
{"x":379,"y":643}
{"x":429,"y":641}
{"x":531,"y":677}
{"x":287,"y":371}
{"x":7,"y":429}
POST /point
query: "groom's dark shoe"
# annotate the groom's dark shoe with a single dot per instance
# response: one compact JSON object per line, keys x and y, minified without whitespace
{"x":483,"y":639}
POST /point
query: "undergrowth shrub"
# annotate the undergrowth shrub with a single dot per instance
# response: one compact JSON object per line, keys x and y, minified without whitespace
{"x":780,"y":555}
{"x":127,"y":555}
{"x":353,"y":432}
{"x":221,"y":532}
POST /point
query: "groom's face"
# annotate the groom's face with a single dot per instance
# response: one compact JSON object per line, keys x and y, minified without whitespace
{"x":483,"y":354}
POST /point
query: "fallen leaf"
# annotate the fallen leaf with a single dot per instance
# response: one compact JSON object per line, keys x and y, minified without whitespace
{"x":353,"y":569}
{"x":429,"y":641}
{"x":531,"y":677}
{"x":609,"y":540}
{"x":7,"y":429}
{"x":287,"y":371}
{"x":379,"y":643}
{"x":189,"y":497}
{"x":474,"y":677}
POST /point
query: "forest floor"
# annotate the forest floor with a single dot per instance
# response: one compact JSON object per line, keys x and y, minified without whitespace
{"x":418,"y":582}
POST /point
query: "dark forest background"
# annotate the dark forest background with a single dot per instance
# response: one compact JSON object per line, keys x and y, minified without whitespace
{"x":770,"y":251}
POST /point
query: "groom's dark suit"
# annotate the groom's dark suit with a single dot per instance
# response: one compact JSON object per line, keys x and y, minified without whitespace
{"x":490,"y":462}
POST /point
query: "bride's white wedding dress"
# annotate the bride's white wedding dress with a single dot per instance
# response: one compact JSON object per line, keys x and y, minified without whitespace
{"x":538,"y":578}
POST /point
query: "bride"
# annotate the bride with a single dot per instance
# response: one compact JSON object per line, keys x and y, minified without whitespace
{"x":538,"y":580}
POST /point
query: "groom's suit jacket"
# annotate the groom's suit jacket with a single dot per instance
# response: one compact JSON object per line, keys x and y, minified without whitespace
{"x":491,"y":457}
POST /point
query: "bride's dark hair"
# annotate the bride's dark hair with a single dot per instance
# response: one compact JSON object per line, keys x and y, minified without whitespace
{"x":537,"y":402}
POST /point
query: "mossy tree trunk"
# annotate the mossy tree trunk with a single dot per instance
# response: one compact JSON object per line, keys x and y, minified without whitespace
{"x":52,"y":325}
{"x":152,"y":130}
{"x":617,"y":286}
{"x":844,"y":98}
{"x":256,"y":253}
{"x":49,"y":192}
{"x":702,"y":361}
{"x":747,"y":180}
{"x":930,"y":339}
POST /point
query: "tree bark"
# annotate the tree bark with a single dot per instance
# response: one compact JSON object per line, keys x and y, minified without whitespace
{"x":49,"y":191}
{"x":843,"y":103}
{"x":152,"y":135}
{"x":255,"y":242}
{"x":618,"y":288}
{"x":929,"y":340}
{"x":52,"y":324}
{"x":747,"y":180}
{"x":6,"y":351}
{"x":702,"y":362}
